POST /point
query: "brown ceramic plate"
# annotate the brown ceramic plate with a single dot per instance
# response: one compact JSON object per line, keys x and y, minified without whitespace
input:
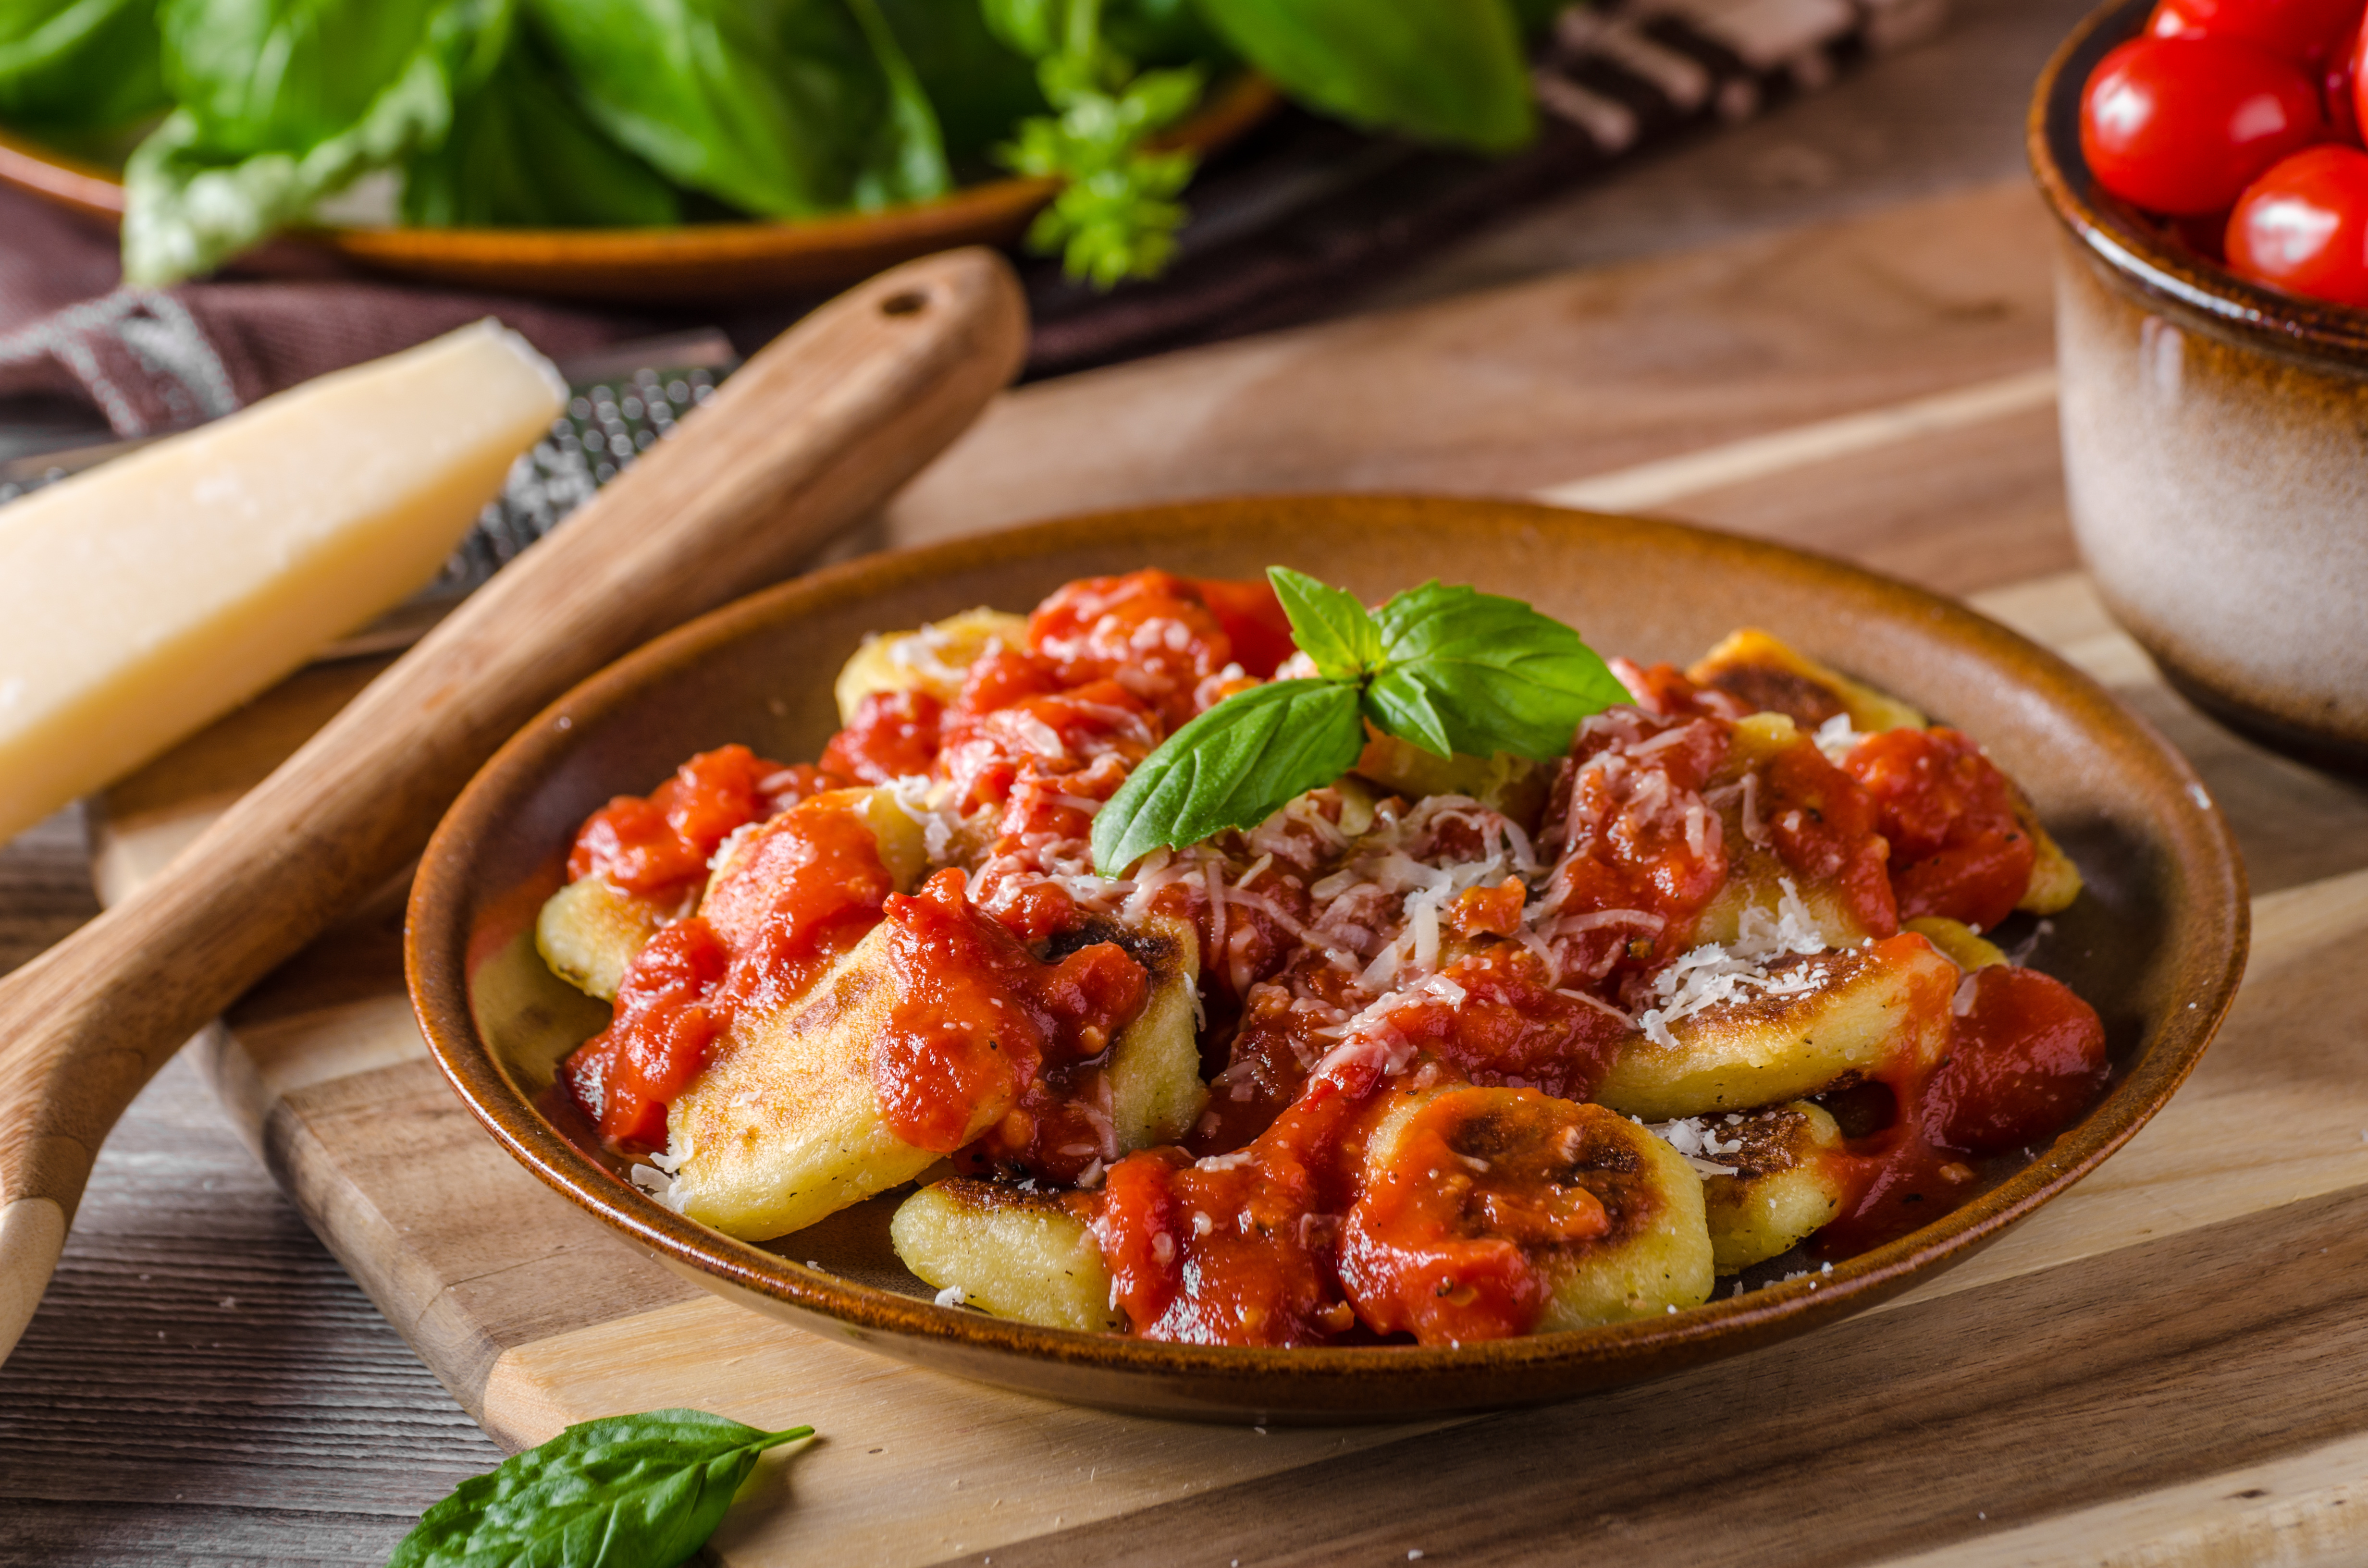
{"x":690,"y":263}
{"x":2157,"y":944}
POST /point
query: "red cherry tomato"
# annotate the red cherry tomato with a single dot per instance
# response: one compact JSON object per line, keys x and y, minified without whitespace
{"x":2356,"y":69}
{"x":2182,"y":125}
{"x":2340,"y":91}
{"x":2303,"y":227}
{"x":2307,"y":32}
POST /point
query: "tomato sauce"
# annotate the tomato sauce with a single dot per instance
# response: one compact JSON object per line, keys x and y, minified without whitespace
{"x":979,"y":1017}
{"x":795,"y":895}
{"x":1449,"y":1239}
{"x":2025,"y":1058}
{"x":1237,"y":1249}
{"x":1642,"y":852}
{"x":1957,"y":850}
{"x":896,"y":735}
{"x":660,"y":845}
{"x":1827,"y":828}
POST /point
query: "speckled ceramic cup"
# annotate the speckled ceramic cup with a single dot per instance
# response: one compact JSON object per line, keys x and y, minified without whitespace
{"x":2216,"y":449}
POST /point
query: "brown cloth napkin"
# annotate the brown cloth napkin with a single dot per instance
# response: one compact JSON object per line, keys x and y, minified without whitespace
{"x":151,"y":359}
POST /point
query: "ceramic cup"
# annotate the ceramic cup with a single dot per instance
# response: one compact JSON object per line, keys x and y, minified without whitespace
{"x":2216,"y":451}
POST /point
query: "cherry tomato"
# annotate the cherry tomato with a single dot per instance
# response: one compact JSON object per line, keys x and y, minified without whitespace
{"x":2182,"y":125}
{"x":2303,"y":227}
{"x":2339,"y":92}
{"x":2356,"y":68}
{"x":2307,"y":32}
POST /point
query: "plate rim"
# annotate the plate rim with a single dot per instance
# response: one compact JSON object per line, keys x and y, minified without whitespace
{"x":436,"y":940}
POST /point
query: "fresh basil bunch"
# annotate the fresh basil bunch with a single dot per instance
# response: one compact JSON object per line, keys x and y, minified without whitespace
{"x":1449,"y":670}
{"x":628,"y":1492}
{"x":552,"y":113}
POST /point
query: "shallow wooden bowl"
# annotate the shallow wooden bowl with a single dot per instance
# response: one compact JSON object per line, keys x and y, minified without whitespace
{"x":687,"y":264}
{"x":2156,"y":945}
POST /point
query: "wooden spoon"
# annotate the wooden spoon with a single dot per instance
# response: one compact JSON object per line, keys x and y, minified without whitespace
{"x":812,"y":432}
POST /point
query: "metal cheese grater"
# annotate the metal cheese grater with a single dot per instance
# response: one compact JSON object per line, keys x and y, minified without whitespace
{"x":624,"y":399}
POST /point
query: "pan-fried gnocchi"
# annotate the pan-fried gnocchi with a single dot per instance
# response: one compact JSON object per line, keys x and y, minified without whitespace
{"x":1450,"y":1048}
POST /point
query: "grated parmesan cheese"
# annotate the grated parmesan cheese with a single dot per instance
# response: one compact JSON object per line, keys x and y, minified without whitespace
{"x":1712,"y":975}
{"x":1836,"y":738}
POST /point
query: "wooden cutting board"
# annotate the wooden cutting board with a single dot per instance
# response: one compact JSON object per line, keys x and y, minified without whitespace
{"x":2159,"y":1367}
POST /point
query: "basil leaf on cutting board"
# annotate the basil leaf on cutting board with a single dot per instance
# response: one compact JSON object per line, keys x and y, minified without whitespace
{"x":627,"y":1492}
{"x":1448,"y":71}
{"x":79,"y":64}
{"x":523,"y":153}
{"x":285,"y":102}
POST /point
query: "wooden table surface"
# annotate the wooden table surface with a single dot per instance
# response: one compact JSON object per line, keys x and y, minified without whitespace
{"x":203,"y":1383}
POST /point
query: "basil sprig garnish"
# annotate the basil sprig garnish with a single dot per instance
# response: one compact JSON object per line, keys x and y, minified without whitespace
{"x":628,"y":1492}
{"x":1448,"y":669}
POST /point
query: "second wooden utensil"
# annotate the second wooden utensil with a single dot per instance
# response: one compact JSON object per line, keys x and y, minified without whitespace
{"x":818,"y":428}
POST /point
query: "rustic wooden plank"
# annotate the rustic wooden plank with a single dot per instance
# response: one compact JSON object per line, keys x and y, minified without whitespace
{"x":44,"y":888}
{"x":191,"y":1532}
{"x":1945,"y":115}
{"x":203,"y":1371}
{"x":2162,"y":1364}
{"x":1530,"y":386}
{"x":1959,"y":512}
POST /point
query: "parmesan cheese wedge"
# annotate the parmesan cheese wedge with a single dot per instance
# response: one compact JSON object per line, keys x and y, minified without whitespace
{"x":143,"y":599}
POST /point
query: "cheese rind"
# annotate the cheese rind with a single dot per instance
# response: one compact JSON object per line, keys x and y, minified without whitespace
{"x":143,"y":599}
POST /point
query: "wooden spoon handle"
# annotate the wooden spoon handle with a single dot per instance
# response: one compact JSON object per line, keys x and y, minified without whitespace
{"x":814,"y":432}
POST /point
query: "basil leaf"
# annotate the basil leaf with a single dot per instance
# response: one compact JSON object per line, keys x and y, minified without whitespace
{"x":979,"y":88}
{"x":1233,"y":766}
{"x":79,"y":64}
{"x":782,"y":111}
{"x":1328,"y":623}
{"x":358,"y":85}
{"x":1441,"y":70}
{"x":1116,"y":215}
{"x":1484,"y":674}
{"x":1399,"y":704}
{"x":1031,"y":28}
{"x":521,"y":153}
{"x":628,"y":1492}
{"x":904,"y":157}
